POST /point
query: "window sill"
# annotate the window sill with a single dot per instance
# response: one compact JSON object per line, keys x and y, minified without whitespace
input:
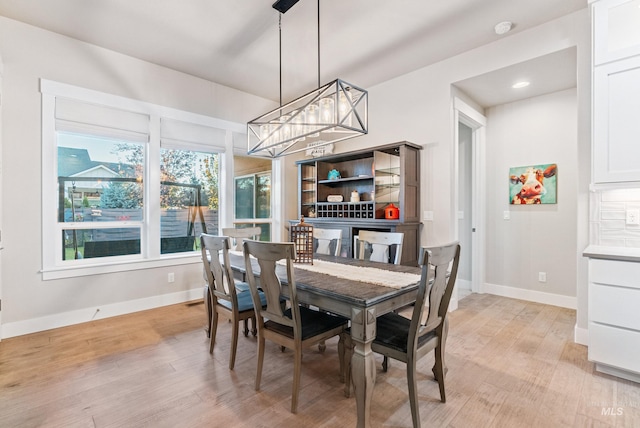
{"x":121,"y":266}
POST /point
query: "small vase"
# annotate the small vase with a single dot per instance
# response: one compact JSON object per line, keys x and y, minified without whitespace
{"x":391,"y":212}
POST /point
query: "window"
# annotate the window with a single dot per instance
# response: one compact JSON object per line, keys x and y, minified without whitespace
{"x":252,"y":194}
{"x":134,"y":182}
{"x":253,"y":202}
{"x":188,"y":198}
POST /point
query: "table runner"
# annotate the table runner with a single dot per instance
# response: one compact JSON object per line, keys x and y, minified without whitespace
{"x":370,"y":275}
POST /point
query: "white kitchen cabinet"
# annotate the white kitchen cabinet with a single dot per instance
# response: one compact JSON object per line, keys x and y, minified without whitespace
{"x":616,"y":91}
{"x":614,"y":323}
{"x":616,"y":121}
{"x":616,"y":29}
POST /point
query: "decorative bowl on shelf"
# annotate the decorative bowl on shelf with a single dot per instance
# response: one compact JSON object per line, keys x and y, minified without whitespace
{"x":334,"y":174}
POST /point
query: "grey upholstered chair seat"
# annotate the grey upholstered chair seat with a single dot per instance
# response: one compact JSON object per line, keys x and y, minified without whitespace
{"x":245,"y":303}
{"x":313,"y":323}
{"x":393,"y":332}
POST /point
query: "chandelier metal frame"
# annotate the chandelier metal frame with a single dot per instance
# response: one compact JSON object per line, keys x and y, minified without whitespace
{"x":334,"y":112}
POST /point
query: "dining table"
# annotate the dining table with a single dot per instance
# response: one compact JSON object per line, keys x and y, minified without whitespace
{"x":357,"y":289}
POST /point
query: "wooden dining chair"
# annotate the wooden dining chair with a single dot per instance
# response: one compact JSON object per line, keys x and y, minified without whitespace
{"x":408,"y":340}
{"x":239,"y":234}
{"x":326,"y":239}
{"x":376,"y":246}
{"x":297,"y":327}
{"x":223,"y":293}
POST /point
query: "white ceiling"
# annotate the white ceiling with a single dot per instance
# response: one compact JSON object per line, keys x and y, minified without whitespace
{"x":546,"y":74}
{"x":365,"y":42}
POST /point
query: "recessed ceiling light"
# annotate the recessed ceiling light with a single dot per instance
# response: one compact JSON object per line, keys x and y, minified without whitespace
{"x":503,"y":27}
{"x":519,"y":85}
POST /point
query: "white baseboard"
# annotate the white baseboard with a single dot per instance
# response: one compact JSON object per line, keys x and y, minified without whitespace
{"x":614,"y":371}
{"x":531,"y":295}
{"x":64,"y":319}
{"x":581,"y":335}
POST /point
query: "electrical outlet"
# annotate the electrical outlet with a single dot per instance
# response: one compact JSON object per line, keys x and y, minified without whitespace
{"x":427,"y":215}
{"x":171,"y":277}
{"x":542,"y":276}
{"x":633,"y":217}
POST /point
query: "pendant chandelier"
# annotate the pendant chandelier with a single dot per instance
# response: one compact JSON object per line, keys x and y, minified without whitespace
{"x":334,"y":112}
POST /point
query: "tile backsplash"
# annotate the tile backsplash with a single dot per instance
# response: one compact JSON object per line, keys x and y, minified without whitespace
{"x":608,"y":218}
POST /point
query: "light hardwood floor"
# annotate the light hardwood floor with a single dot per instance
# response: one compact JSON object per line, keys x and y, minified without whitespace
{"x":511,"y":364}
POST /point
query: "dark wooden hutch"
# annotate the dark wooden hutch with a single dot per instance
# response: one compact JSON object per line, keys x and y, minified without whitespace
{"x":381,"y":176}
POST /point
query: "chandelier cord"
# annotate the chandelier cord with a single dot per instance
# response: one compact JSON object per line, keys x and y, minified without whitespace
{"x":280,"y":49}
{"x":318,"y":43}
{"x":280,"y":52}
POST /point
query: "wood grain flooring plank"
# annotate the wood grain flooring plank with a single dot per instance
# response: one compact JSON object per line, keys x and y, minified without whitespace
{"x":482,"y":407}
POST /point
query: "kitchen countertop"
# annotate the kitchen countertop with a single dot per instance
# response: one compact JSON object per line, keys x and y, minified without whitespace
{"x":612,"y":253}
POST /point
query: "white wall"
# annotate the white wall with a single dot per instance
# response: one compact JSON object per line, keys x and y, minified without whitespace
{"x":537,"y":238}
{"x":30,"y":304}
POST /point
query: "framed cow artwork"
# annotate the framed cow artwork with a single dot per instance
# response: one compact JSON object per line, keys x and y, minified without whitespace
{"x":533,"y":185}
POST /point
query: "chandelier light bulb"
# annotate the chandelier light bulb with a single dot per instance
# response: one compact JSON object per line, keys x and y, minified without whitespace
{"x":312,"y":113}
{"x":344,"y":109}
{"x":298,"y":123}
{"x":327,"y":110}
{"x":285,"y":129}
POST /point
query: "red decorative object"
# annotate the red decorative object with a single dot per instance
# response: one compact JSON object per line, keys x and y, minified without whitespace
{"x":391,"y":212}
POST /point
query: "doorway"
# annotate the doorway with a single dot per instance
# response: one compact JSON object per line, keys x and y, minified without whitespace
{"x":465,"y":207}
{"x":470,"y":195}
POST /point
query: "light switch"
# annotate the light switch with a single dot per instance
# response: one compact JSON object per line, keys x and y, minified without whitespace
{"x":506,"y":215}
{"x":427,"y":215}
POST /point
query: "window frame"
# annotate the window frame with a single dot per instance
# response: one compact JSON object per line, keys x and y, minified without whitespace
{"x":53,"y":267}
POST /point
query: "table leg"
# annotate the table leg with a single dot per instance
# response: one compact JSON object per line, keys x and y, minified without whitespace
{"x":363,"y":369}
